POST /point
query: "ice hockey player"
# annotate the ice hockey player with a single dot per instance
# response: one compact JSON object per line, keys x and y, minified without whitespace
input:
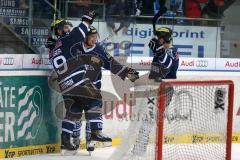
{"x":60,"y":28}
{"x":77,"y":59}
{"x":166,"y":58}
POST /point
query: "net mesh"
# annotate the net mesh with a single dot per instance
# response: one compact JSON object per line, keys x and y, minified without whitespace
{"x":194,"y":125}
{"x":139,"y":141}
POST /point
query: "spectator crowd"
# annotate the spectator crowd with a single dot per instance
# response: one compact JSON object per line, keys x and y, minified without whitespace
{"x":122,"y":10}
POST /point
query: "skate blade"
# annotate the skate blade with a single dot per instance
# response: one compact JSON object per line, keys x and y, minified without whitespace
{"x":65,"y":152}
{"x":103,"y":144}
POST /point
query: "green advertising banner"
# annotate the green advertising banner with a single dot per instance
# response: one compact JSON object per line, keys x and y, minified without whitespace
{"x":27,"y":117}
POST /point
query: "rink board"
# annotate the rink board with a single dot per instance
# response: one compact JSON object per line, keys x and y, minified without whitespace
{"x":115,"y":123}
{"x":29,"y":150}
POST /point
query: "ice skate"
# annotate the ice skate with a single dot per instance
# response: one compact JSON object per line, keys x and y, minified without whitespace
{"x":68,"y":147}
{"x":98,"y":136}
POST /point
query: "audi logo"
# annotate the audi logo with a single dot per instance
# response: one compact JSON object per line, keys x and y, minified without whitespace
{"x":201,"y":63}
{"x":8,"y":61}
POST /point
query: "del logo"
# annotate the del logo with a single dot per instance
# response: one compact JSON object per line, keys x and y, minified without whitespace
{"x":21,"y":112}
{"x":232,"y":64}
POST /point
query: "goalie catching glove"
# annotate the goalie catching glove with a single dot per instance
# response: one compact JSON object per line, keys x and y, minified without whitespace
{"x":89,"y":16}
{"x":156,"y":47}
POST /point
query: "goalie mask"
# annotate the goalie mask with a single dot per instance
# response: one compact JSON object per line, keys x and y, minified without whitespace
{"x":165,"y":33}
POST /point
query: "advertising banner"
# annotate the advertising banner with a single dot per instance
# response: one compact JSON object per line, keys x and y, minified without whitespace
{"x":36,"y":61}
{"x":11,"y":61}
{"x":26,"y":115}
{"x":13,"y":8}
{"x":228,"y":64}
{"x":41,"y":61}
{"x":191,"y":41}
{"x":40,"y":31}
{"x":39,"y":34}
{"x":197,"y":64}
{"x":18,"y":21}
{"x":13,"y":12}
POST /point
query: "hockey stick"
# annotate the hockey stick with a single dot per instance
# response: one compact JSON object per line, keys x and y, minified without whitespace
{"x":107,"y":38}
{"x":119,"y":28}
{"x":157,"y":17}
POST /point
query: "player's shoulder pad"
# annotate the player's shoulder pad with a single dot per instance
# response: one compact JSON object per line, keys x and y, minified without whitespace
{"x":102,"y":50}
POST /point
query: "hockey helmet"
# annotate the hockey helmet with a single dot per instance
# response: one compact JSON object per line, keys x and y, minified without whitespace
{"x":165,"y":33}
{"x":92,"y":30}
{"x":59,"y":24}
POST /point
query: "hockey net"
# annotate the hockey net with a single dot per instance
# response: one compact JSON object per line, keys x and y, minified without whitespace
{"x":181,"y":120}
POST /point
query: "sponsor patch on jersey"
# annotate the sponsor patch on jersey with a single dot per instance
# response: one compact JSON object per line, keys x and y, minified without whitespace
{"x":95,"y":60}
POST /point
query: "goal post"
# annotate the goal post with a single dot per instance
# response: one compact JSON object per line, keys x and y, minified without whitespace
{"x":184,"y":120}
{"x":218,"y":98}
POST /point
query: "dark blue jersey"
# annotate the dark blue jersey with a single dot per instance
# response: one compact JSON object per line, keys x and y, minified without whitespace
{"x":74,"y":64}
{"x":169,"y":60}
{"x":68,"y":75}
{"x":108,"y":61}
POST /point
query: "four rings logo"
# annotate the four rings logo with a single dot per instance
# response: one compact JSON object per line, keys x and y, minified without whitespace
{"x":201,"y":63}
{"x":8,"y":61}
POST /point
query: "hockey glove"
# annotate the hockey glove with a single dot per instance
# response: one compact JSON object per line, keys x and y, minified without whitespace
{"x":156,"y":47}
{"x":89,"y":16}
{"x":132,"y":75}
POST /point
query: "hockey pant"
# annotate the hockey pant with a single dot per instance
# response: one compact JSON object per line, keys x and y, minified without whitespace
{"x":74,"y":109}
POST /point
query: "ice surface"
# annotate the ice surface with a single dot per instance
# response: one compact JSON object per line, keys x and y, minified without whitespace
{"x":99,"y":154}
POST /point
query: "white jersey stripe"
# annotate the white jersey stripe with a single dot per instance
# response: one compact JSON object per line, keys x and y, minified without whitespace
{"x":80,"y":82}
{"x":74,"y":74}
